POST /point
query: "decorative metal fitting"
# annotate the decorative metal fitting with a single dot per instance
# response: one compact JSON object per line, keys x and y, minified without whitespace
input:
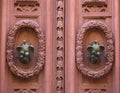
{"x":24,"y":52}
{"x":95,"y":51}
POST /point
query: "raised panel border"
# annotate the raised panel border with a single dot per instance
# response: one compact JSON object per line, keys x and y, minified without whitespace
{"x":79,"y":49}
{"x":40,"y":54}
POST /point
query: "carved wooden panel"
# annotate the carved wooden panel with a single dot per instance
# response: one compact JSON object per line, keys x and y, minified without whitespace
{"x":11,"y":46}
{"x":26,"y":6}
{"x":80,"y":47}
{"x":26,"y":20}
{"x":89,"y":15}
{"x":94,"y":6}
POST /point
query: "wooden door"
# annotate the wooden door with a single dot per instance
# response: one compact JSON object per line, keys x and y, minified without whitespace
{"x":59,"y":46}
{"x":83,"y":18}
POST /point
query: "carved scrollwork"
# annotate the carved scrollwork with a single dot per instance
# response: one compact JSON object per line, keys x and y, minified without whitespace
{"x":25,"y":90}
{"x":109,"y":49}
{"x":40,"y":54}
{"x":26,"y":5}
{"x":94,"y":6}
{"x":95,"y":91}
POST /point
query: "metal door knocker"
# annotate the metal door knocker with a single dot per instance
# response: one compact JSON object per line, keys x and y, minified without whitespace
{"x":24,"y":52}
{"x":95,"y":51}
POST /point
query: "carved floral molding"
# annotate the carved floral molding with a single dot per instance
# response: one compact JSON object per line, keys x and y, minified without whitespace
{"x":60,"y":47}
{"x":40,"y":54}
{"x":109,"y":49}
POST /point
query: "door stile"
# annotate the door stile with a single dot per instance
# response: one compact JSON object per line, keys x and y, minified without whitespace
{"x":116,"y":75}
{"x":70,"y":67}
{"x":3,"y":47}
{"x":49,"y":47}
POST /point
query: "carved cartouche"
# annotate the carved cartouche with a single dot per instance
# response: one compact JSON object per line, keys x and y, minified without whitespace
{"x":24,"y":52}
{"x":95,"y":51}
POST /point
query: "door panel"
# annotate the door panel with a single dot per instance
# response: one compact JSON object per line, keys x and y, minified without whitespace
{"x":62,"y":35}
{"x":24,"y":24}
{"x":77,"y":73}
{"x":26,"y":20}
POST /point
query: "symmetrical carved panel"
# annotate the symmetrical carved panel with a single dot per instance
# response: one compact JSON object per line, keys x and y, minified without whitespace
{"x":95,"y":91}
{"x":25,"y":91}
{"x":94,"y":5}
{"x":26,"y":5}
{"x":60,"y":47}
{"x":40,"y":59}
{"x":80,"y":47}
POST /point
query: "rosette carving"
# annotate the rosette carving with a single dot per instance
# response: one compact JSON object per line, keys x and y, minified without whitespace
{"x":40,"y":60}
{"x":80,"y":47}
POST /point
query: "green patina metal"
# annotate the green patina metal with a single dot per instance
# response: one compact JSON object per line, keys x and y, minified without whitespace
{"x":95,"y":51}
{"x":24,"y":52}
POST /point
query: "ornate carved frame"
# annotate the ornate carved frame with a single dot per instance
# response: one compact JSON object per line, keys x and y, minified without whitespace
{"x":109,"y":48}
{"x":40,"y":54}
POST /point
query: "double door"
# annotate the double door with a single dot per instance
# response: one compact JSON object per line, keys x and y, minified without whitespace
{"x":59,"y":46}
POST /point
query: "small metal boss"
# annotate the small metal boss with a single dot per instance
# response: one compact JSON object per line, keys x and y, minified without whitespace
{"x":24,"y":52}
{"x":95,"y":51}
